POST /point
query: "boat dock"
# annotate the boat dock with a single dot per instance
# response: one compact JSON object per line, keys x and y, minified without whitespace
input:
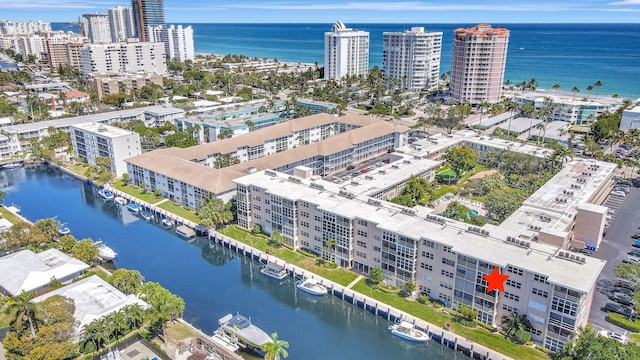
{"x":211,"y":346}
{"x":374,"y":306}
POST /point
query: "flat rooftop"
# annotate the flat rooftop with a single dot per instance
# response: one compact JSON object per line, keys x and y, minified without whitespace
{"x":492,"y":121}
{"x":560,"y":97}
{"x":520,"y":124}
{"x":554,"y":130}
{"x":493,"y":248}
{"x":104,"y":130}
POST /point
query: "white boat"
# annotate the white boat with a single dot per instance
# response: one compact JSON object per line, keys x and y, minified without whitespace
{"x":63,"y":230}
{"x":105,"y":195}
{"x":228,"y":342}
{"x":185,"y":231}
{"x":120,"y":200}
{"x":168,"y":223}
{"x":310,"y":286}
{"x":146,"y":215}
{"x":274,"y":271}
{"x":242,"y":328}
{"x":134,"y":208}
{"x":408,"y":331}
{"x":12,"y":165}
{"x":105,"y":253}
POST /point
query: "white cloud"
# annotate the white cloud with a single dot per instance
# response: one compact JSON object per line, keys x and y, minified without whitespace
{"x":626,"y":2}
{"x":55,"y":4}
{"x":404,"y":6}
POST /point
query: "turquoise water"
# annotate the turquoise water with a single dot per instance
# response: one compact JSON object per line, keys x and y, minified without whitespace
{"x":213,"y":281}
{"x":567,"y":54}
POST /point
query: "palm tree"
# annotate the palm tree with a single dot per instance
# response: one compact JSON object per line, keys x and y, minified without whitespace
{"x":331,"y":243}
{"x":597,"y":84}
{"x":89,"y":332}
{"x":574,"y":91}
{"x":589,"y":89}
{"x":25,"y":312}
{"x":555,"y":87}
{"x":276,"y":348}
{"x":542,"y":127}
{"x":511,"y":106}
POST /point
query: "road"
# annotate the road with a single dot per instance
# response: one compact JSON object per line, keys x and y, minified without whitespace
{"x":613,"y":249}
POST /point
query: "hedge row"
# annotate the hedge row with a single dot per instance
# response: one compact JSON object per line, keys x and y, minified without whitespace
{"x":624,"y":322}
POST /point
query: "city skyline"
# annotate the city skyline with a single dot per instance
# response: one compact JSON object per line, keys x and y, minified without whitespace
{"x":372,"y":11}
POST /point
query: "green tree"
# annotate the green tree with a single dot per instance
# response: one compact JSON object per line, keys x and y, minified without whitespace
{"x":375,"y":277}
{"x":491,"y":182}
{"x":181,"y":140}
{"x":588,"y":345}
{"x":25,"y":312}
{"x":468,"y":313}
{"x":85,"y":251}
{"x":276,"y":348}
{"x":451,"y":119}
{"x":276,"y":239}
{"x":165,"y":306}
{"x":215,"y":212}
{"x":410,"y":285}
{"x":127,"y":281}
{"x":516,"y":327}
{"x":501,"y":203}
{"x":461,"y":159}
{"x":66,"y":243}
{"x":417,"y":191}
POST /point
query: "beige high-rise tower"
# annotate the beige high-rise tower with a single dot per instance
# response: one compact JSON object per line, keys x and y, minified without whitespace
{"x":478,"y":62}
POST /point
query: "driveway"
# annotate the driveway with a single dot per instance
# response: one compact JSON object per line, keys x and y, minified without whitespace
{"x":613,"y":249}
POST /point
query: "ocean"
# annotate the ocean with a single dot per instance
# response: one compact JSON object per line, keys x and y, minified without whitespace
{"x":568,"y":54}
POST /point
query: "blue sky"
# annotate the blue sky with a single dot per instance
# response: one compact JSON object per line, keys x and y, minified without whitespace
{"x":356,"y":11}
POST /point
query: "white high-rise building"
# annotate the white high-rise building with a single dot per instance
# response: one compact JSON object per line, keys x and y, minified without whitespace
{"x":9,"y":27}
{"x":413,"y":58}
{"x":346,"y":52}
{"x":478,"y":61}
{"x":133,"y":57}
{"x":96,"y":28}
{"x":121,"y":21}
{"x":178,"y":41}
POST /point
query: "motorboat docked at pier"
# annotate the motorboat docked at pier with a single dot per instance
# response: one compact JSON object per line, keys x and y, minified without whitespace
{"x":134,"y":208}
{"x":105,"y":253}
{"x":247,"y":333}
{"x":63,"y":230}
{"x":168,"y":223}
{"x":185,"y":231}
{"x":408,"y":331}
{"x":311,"y":286}
{"x":229,"y":342}
{"x":120,"y":200}
{"x":146,"y":215}
{"x":105,"y":195}
{"x":274,"y":271}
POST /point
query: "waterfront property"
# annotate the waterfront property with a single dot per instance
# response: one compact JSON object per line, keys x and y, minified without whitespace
{"x":412,"y":57}
{"x":93,"y":298}
{"x":130,"y":56}
{"x":478,"y":61}
{"x":94,"y":140}
{"x":25,"y":270}
{"x":346,"y":52}
{"x":447,"y":258}
{"x":180,"y":175}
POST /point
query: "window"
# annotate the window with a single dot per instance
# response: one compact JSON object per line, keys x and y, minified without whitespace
{"x":564,"y":306}
{"x":304,"y":224}
{"x":446,"y":285}
{"x":426,"y":266}
{"x":542,"y":293}
{"x":448,"y":249}
{"x":429,"y":244}
{"x":362,"y":243}
{"x":511,"y":296}
{"x":446,"y":273}
{"x":540,"y":278}
{"x":361,"y":254}
{"x":514,"y":284}
{"x":428,"y":255}
{"x":362,"y":233}
{"x":448,"y":262}
{"x":508,"y":308}
{"x":377,"y":248}
{"x":514,"y":270}
{"x":362,"y":222}
{"x":304,"y":214}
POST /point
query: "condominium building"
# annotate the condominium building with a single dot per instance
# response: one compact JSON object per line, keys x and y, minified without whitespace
{"x":135,"y":57}
{"x":178,"y":41}
{"x":412,"y":57}
{"x":553,"y":287}
{"x":9,"y":27}
{"x":147,"y":14}
{"x":25,"y":44}
{"x":96,"y":27}
{"x":478,"y":62}
{"x":108,"y":84}
{"x":182,"y":176}
{"x":65,"y":51}
{"x":346,"y":52}
{"x":121,"y":23}
{"x":631,"y":117}
{"x":94,"y":140}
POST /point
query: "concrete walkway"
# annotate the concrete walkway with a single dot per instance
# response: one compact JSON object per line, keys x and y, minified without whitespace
{"x":360,"y":277}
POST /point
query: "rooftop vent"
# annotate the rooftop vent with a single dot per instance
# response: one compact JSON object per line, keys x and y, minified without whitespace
{"x":270,"y":173}
{"x":294,"y":179}
{"x":317,"y":186}
{"x":346,"y":194}
{"x":408,"y":211}
{"x":436,"y":218}
{"x":374,"y":202}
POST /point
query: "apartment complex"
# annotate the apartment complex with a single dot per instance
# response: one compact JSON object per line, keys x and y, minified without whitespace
{"x":446,"y":258}
{"x":121,"y":23}
{"x":182,"y":175}
{"x":147,"y":14}
{"x":412,"y":57}
{"x":106,"y":84}
{"x":10,"y":27}
{"x":132,"y":56}
{"x":346,"y":52}
{"x":94,"y":140}
{"x":478,"y":62}
{"x":65,"y":51}
{"x":96,"y":27}
{"x":631,"y":117}
{"x":178,"y":41}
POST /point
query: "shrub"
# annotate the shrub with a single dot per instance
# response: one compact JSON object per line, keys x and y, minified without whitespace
{"x":307,"y":252}
{"x":521,"y":336}
{"x":389,"y":289}
{"x":623,"y":322}
{"x":423,"y":299}
{"x":257,"y":229}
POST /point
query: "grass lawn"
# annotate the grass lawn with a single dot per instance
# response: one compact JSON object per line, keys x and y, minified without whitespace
{"x":178,"y":331}
{"x":428,"y":313}
{"x":635,"y":337}
{"x":5,"y":318}
{"x":340,"y":276}
{"x":136,"y":191}
{"x":76,"y":168}
{"x":9,"y":215}
{"x":180,"y":211}
{"x":447,"y":172}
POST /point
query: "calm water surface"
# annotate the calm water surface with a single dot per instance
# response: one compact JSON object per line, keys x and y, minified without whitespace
{"x":212,"y":281}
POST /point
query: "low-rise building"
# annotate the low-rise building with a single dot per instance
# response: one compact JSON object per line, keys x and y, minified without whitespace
{"x":94,"y":299}
{"x":25,"y":270}
{"x":631,"y":117}
{"x":94,"y":140}
{"x":109,"y":84}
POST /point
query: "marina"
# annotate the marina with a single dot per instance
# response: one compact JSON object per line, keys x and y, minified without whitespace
{"x":311,"y":286}
{"x":274,"y":271}
{"x":241,"y":327}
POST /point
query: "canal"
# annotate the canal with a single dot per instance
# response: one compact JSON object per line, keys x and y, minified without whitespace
{"x":213,"y":281}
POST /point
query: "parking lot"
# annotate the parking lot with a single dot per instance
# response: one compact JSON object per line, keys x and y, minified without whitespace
{"x":615,"y":245}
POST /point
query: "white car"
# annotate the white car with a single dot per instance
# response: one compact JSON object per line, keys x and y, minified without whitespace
{"x":618,"y":193}
{"x":614,"y":335}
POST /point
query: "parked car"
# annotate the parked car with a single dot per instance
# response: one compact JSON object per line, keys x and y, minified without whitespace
{"x":351,"y":167}
{"x":622,"y":298}
{"x":636,"y":182}
{"x":365,"y":170}
{"x":630,"y":259}
{"x":626,"y":284}
{"x":624,"y":182}
{"x":614,"y":335}
{"x":634,"y":252}
{"x":636,"y":236}
{"x":379,"y":163}
{"x":617,"y":308}
{"x":622,"y":290}
{"x":624,"y":189}
{"x":618,"y":193}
